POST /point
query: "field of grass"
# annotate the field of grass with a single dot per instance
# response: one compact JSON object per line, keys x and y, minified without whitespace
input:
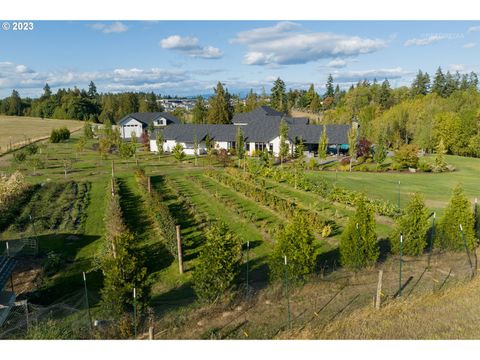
{"x":76,"y":232}
{"x":435,"y":187}
{"x":18,"y":129}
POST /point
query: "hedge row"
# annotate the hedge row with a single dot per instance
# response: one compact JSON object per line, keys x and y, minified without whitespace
{"x":320,"y":187}
{"x":165,"y":223}
{"x":259,"y":194}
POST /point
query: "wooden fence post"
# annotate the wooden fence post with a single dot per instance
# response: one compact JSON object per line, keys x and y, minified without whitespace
{"x":149,"y":185}
{"x":150,"y":333}
{"x":378,"y":299}
{"x":179,"y":248}
{"x":113,"y":168}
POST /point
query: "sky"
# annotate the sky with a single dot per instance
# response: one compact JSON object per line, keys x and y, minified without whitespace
{"x":188,"y":58}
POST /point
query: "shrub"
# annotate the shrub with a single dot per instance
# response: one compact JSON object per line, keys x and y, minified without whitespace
{"x":19,"y":156}
{"x":407,"y":156}
{"x":458,"y":212}
{"x":59,"y":135}
{"x":312,"y":163}
{"x":52,"y":264}
{"x":326,"y":231}
{"x":414,"y":226}
{"x":424,"y":166}
{"x":295,"y":242}
{"x":364,"y":148}
{"x":218,"y":263}
{"x":358,"y":243}
{"x":178,"y":152}
{"x":31,"y":149}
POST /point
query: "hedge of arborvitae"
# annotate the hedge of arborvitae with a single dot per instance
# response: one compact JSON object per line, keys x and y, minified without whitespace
{"x":286,"y":207}
{"x":121,"y":262}
{"x":164,"y":221}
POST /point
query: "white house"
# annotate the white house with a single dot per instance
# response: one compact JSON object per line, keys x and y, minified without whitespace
{"x":137,"y":123}
{"x":260,"y":129}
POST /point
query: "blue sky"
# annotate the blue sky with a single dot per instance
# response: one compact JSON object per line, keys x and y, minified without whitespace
{"x":189,"y":57}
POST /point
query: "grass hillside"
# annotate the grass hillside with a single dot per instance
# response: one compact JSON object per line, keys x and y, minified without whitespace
{"x":16,"y":129}
{"x":451,"y":314}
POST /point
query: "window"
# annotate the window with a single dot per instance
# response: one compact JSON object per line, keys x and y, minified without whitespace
{"x":261,"y":146}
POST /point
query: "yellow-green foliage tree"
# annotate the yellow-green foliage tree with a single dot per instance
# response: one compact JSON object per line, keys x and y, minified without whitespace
{"x":295,"y":242}
{"x":458,"y":212}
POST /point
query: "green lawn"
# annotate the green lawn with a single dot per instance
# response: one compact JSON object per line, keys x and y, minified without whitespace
{"x":436,"y":187}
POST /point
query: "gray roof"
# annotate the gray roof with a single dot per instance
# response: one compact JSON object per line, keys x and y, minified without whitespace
{"x":263,"y":113}
{"x":187,"y":132}
{"x":258,"y":132}
{"x":310,"y":134}
{"x":148,"y":117}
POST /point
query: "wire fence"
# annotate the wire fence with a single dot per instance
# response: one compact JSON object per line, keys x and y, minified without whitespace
{"x":263,"y":312}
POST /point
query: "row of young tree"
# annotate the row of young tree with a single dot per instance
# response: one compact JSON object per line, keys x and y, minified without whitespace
{"x":221,"y":256}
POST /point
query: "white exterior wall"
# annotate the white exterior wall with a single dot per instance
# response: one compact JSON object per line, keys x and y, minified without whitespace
{"x":131,"y":125}
{"x":274,"y":146}
{"x":220,"y":145}
{"x":168,"y":146}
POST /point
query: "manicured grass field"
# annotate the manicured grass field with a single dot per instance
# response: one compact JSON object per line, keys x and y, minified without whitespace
{"x":435,"y":187}
{"x":16,"y":129}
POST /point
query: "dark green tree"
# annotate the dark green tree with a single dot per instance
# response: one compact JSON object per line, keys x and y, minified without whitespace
{"x":199,"y":111}
{"x":218,"y":263}
{"x":279,"y":96}
{"x":414,"y":226}
{"x":439,"y":82}
{"x":220,"y":110}
{"x":358,"y":242}
{"x":329,"y":90}
{"x":421,"y":84}
{"x":240,"y":143}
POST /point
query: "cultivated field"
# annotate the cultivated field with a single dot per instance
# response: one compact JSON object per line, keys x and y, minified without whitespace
{"x":67,"y":216}
{"x":18,"y":129}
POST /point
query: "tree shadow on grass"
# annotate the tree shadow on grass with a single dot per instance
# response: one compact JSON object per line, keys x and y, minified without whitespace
{"x":181,"y":296}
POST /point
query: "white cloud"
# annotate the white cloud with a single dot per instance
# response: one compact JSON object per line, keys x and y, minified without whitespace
{"x":288,"y":43}
{"x":178,"y":42}
{"x":427,"y":40}
{"x":30,"y":82}
{"x":337,"y":63}
{"x":469,"y":45}
{"x":379,"y":74}
{"x":190,"y":46}
{"x":115,"y":27}
{"x":457,"y":67}
{"x":473,"y":29}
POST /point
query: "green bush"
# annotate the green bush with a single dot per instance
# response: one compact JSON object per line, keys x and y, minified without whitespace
{"x":458,"y":212}
{"x":407,"y":156}
{"x":414,"y":226}
{"x":59,"y":135}
{"x":295,"y":242}
{"x":178,"y":153}
{"x":358,"y":243}
{"x":218,"y":263}
{"x":19,"y":156}
{"x":31,"y":149}
{"x":52,"y":264}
